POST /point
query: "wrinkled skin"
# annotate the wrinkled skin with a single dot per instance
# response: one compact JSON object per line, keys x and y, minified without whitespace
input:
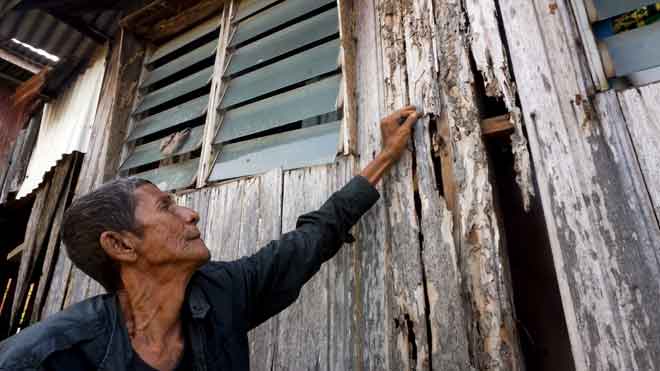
{"x":170,"y":236}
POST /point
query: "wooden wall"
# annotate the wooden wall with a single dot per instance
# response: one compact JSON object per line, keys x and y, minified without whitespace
{"x":592,"y":157}
{"x":426,"y":284}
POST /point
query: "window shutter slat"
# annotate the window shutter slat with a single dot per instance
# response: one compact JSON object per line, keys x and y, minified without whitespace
{"x":193,"y":82}
{"x":305,"y":102}
{"x":284,"y":41}
{"x":150,"y":152}
{"x":203,"y":52}
{"x":210,"y":26}
{"x":609,"y":8}
{"x":309,"y":146}
{"x":190,"y":110}
{"x":172,"y":177}
{"x":634,"y":50}
{"x":274,"y":17}
{"x":300,"y":67}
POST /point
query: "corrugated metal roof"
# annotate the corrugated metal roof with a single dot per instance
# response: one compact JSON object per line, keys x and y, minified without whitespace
{"x":66,"y":123}
{"x":37,"y":27}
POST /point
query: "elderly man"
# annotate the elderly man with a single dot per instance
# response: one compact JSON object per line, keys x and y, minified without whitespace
{"x":167,"y":307}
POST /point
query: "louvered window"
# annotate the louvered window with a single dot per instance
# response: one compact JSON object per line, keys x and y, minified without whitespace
{"x":282,"y":83}
{"x":164,"y":142}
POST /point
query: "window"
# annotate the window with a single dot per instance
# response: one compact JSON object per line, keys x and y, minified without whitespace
{"x":278,"y":98}
{"x":622,"y":40}
{"x":166,"y":136}
{"x":281,"y":106}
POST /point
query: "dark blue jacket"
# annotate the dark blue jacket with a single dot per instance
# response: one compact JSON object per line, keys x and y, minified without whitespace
{"x":224,"y":300}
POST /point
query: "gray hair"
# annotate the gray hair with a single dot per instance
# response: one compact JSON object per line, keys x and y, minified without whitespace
{"x":111,"y":207}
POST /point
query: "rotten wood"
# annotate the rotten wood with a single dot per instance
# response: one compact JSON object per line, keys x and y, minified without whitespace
{"x":491,"y":330}
{"x":441,"y":289}
{"x":604,"y":249}
{"x":488,"y":51}
{"x":410,"y":348}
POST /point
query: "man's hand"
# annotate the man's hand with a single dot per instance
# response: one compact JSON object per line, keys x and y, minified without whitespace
{"x":396,"y":129}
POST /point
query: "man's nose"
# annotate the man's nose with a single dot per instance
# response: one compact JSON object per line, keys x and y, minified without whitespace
{"x":191,"y":216}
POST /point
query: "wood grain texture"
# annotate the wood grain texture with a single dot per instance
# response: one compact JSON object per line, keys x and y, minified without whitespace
{"x":641,"y":109}
{"x":373,"y":318}
{"x":489,"y":54}
{"x":492,"y":333}
{"x":54,"y":237}
{"x":410,"y":346}
{"x":441,"y":290}
{"x":606,"y":271}
{"x":36,"y":233}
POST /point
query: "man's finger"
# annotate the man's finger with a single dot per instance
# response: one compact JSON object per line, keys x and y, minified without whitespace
{"x":401,"y":113}
{"x":411,"y":120}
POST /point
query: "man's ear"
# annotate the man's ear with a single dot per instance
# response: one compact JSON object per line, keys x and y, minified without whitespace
{"x":119,"y":246}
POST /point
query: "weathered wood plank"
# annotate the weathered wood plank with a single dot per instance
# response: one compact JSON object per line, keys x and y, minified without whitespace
{"x":54,"y":237}
{"x":305,"y":190}
{"x":373,"y":314}
{"x":441,"y":289}
{"x":410,"y":346}
{"x":218,"y":88}
{"x":489,"y":54}
{"x":41,"y":217}
{"x":597,"y":242}
{"x":641,"y":108}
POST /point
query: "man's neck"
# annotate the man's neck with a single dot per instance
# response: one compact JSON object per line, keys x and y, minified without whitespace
{"x":152,"y":312}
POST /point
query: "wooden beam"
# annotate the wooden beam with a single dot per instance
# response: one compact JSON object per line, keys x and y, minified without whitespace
{"x":20,"y":62}
{"x":218,"y":87}
{"x":495,"y":125}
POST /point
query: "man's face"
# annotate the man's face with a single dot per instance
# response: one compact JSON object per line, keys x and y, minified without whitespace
{"x":169,"y":231}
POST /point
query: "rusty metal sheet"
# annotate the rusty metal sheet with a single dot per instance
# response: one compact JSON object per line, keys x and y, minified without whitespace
{"x":300,"y":67}
{"x":305,"y":102}
{"x":172,"y":177}
{"x":291,"y":38}
{"x":275,"y":16}
{"x":190,"y":110}
{"x":150,"y":152}
{"x":195,"y":56}
{"x":310,"y":146}
{"x":212,"y":25}
{"x":177,"y":89}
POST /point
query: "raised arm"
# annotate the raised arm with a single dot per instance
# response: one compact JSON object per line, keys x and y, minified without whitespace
{"x":272,"y":278}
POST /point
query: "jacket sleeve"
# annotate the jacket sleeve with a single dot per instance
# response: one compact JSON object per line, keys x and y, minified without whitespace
{"x":274,"y":275}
